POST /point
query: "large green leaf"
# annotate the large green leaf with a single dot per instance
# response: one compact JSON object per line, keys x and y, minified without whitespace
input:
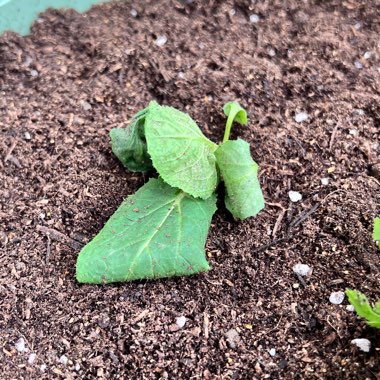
{"x":158,"y":232}
{"x":362,"y":307}
{"x":129,"y":145}
{"x":182,"y":155}
{"x":244,"y":197}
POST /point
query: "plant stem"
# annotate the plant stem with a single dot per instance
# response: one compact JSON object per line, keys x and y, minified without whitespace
{"x":229,"y":122}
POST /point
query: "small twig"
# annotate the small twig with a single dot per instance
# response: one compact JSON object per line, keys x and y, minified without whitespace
{"x":332,"y":193}
{"x":333,"y":136}
{"x":15,"y":161}
{"x":278,"y":222}
{"x":296,"y":222}
{"x":273,"y":329}
{"x":48,"y":249}
{"x":59,"y":236}
{"x":3,"y":238}
{"x":8,"y":155}
{"x":301,"y":280}
{"x":305,"y":215}
{"x":276,"y":205}
{"x":206,"y":323}
{"x":272,"y":243}
{"x":140,"y":317}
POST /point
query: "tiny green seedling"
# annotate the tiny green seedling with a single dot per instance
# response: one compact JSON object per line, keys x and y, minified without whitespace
{"x":363,"y":308}
{"x":234,"y":112}
{"x":376,"y":231}
{"x":161,"y":230}
{"x":358,"y":300}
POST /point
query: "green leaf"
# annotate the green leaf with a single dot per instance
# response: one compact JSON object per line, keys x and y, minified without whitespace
{"x":376,"y":231}
{"x":244,"y":197}
{"x":129,"y":145}
{"x":182,"y":155}
{"x":160,"y":231}
{"x":362,"y":307}
{"x":234,"y":112}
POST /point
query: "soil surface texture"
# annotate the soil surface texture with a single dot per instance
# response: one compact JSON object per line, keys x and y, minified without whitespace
{"x":308,"y":73}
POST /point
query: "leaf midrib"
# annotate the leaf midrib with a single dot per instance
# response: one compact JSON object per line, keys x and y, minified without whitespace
{"x":176,"y":201}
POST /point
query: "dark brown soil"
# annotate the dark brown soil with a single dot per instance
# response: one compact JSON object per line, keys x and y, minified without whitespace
{"x":77,"y":76}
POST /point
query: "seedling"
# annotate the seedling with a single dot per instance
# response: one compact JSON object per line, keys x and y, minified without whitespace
{"x":376,"y":231}
{"x":363,"y":308}
{"x":358,"y":300}
{"x":234,"y":112}
{"x":161,"y":230}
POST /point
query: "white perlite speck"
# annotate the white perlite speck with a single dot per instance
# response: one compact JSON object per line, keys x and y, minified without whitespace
{"x":85,"y":105}
{"x":301,"y":269}
{"x":43,"y":367}
{"x":254,"y":18}
{"x":358,"y":65}
{"x":20,"y":345}
{"x":28,"y":61}
{"x":27,"y":136}
{"x":133,"y":13}
{"x":350,"y":308}
{"x":233,"y":338}
{"x":161,"y":40}
{"x":359,"y":111}
{"x":301,"y":117}
{"x":32,"y":358}
{"x":336,"y":298}
{"x":353,"y":132}
{"x":181,"y":321}
{"x":325,"y":181}
{"x":367,"y":55}
{"x":272,"y":352}
{"x":34,"y":73}
{"x":362,"y":343}
{"x":294,"y":196}
{"x":63,"y":359}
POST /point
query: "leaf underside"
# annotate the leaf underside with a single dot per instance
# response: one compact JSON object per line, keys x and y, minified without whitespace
{"x":158,"y":232}
{"x":129,"y":145}
{"x":363,"y":307}
{"x":244,"y":197}
{"x":181,"y":154}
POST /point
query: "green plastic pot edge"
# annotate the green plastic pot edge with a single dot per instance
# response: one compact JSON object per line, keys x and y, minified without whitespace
{"x":18,"y":15}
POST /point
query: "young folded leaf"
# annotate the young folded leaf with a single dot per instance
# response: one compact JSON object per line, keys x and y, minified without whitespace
{"x":158,"y":232}
{"x":376,"y":231}
{"x":129,"y":145}
{"x":362,"y":307}
{"x":180,"y":152}
{"x":234,"y":112}
{"x":239,"y":172}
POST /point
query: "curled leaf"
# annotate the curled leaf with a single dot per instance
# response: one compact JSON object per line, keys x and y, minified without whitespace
{"x":129,"y":145}
{"x":158,"y":232}
{"x":236,"y":112}
{"x":180,"y":152}
{"x":244,"y":197}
